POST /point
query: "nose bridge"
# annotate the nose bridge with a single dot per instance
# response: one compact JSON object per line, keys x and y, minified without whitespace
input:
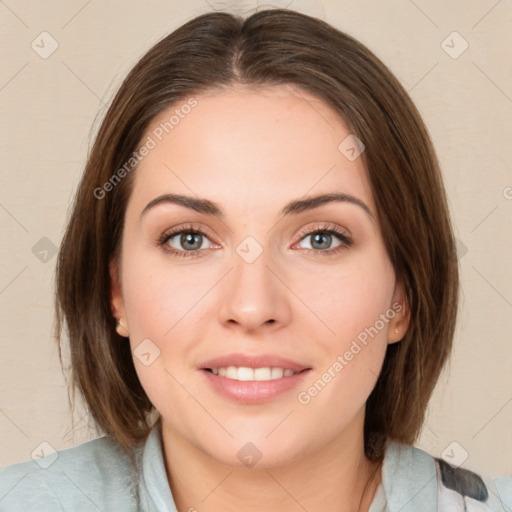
{"x":252,"y":295}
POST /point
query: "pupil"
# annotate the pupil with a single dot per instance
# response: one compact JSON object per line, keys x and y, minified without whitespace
{"x":189,"y":237}
{"x":319,"y":237}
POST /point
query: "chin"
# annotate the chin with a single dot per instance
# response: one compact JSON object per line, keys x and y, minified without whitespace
{"x":256,"y":451}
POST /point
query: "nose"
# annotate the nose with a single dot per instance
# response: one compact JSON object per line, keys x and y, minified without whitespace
{"x":253,"y":295}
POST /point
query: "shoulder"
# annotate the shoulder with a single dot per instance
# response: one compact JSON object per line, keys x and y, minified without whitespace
{"x":419,"y":480}
{"x":94,"y":475}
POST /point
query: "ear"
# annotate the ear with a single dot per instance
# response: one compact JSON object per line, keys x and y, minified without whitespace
{"x":399,"y":324}
{"x":116,"y":299}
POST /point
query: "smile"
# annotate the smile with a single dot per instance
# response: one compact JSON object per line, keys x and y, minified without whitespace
{"x":252,"y":374}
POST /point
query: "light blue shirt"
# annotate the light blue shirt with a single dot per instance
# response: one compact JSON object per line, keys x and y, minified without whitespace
{"x":97,"y":476}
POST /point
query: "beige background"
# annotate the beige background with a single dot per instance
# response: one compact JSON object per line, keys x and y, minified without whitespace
{"x":48,"y":107}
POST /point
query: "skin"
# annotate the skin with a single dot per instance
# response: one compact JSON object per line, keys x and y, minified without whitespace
{"x":252,"y":151}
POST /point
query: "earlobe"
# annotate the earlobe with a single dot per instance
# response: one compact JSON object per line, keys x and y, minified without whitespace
{"x":116,"y":300}
{"x":399,"y":324}
{"x":122,"y":330}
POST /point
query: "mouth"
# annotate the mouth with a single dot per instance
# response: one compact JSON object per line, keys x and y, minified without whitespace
{"x":252,"y":379}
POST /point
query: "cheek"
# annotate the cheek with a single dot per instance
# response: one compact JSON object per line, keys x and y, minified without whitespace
{"x":354,"y":302}
{"x":159,"y":296}
{"x":348,"y":298}
{"x":158,"y":300}
{"x":164,"y":304}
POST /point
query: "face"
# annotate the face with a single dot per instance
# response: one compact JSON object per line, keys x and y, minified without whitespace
{"x":250,"y":321}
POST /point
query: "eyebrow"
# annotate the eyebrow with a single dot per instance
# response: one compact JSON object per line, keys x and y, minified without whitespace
{"x":208,"y":207}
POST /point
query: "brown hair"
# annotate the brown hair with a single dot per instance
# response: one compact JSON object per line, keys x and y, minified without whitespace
{"x":270,"y":47}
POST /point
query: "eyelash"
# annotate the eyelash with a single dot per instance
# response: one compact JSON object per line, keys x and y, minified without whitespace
{"x":346,"y":242}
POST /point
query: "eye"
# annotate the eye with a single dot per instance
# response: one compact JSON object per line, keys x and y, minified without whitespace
{"x":321,"y":240}
{"x":185,"y":241}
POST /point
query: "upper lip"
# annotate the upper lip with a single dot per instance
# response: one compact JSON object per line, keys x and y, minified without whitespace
{"x":253,"y":361}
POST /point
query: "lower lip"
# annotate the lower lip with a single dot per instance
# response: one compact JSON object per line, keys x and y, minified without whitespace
{"x":253,"y":392}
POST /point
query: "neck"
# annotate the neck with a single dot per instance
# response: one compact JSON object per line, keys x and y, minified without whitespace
{"x":336,"y":478}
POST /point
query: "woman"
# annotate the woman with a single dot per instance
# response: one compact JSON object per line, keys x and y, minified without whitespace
{"x":259,"y":285}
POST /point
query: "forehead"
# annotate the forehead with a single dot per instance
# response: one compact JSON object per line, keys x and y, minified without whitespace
{"x":249,"y":147}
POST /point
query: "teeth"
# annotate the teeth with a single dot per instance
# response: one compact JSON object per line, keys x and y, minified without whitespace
{"x":258,"y":374}
{"x":231,"y":372}
{"x":262,"y":374}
